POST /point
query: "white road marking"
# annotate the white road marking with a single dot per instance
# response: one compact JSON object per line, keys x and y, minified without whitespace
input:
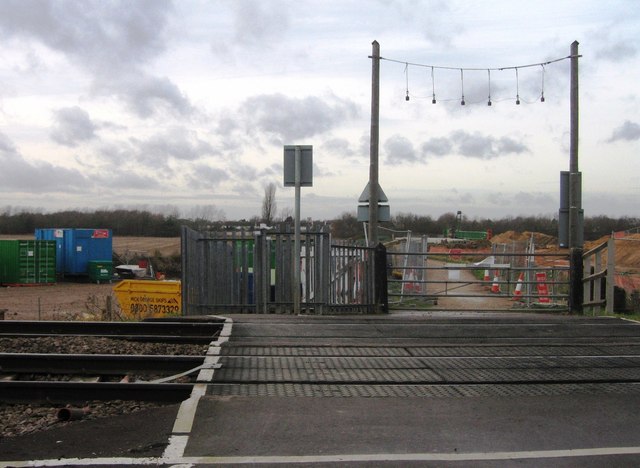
{"x":176,"y":447}
{"x":187,"y":411}
{"x":345,"y":458}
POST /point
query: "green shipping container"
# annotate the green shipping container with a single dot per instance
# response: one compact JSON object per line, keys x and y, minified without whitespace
{"x":27,"y":262}
{"x":100,"y":271}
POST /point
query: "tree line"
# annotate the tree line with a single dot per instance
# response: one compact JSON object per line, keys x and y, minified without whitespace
{"x":144,"y":223}
{"x":348,"y":227}
{"x":121,"y":222}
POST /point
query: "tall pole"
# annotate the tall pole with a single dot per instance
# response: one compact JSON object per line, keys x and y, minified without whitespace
{"x":576,"y":238}
{"x":575,"y":183}
{"x":296,"y":241}
{"x":373,"y":151}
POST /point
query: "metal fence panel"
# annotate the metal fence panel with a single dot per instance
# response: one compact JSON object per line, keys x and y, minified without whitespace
{"x":252,"y":272}
{"x":505,"y":277}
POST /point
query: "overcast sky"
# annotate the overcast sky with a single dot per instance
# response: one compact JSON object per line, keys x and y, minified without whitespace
{"x":187,"y":104}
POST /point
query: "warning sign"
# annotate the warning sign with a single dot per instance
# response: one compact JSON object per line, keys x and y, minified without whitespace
{"x":100,"y":234}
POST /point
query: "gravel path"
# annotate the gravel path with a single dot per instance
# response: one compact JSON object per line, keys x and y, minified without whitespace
{"x":497,"y":302}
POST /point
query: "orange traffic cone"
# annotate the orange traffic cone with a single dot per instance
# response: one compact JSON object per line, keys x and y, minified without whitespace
{"x":495,"y":287}
{"x":518,"y":291}
{"x":486,"y":280}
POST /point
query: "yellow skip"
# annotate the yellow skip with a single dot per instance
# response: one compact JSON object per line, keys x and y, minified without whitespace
{"x":140,"y":299}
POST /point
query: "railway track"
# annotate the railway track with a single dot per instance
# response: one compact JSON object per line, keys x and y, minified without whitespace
{"x":132,"y":369}
{"x":187,"y":331}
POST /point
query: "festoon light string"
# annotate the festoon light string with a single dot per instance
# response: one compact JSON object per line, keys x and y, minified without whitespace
{"x":488,"y":69}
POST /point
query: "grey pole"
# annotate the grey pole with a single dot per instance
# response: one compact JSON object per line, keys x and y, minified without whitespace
{"x":296,"y":242}
{"x":576,"y":238}
{"x":373,"y":152}
{"x":575,"y":184}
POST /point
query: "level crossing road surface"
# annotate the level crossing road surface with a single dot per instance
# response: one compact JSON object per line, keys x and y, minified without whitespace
{"x":406,"y":389}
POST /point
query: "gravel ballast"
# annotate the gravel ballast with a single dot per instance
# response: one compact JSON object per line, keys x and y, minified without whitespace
{"x":21,"y":419}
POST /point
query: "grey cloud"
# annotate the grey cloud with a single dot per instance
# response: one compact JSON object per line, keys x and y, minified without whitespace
{"x":106,"y":38}
{"x":290,"y":119}
{"x":176,"y":143}
{"x":231,"y":140}
{"x":246,"y":189}
{"x":364,"y":145}
{"x":18,"y":175}
{"x":7,"y":148}
{"x":628,"y":131}
{"x":148,"y":95}
{"x":470,"y":145}
{"x":612,"y":45}
{"x":437,"y":147}
{"x":128,"y":180}
{"x":539,"y":200}
{"x":257,"y":26}
{"x":226,"y":126}
{"x":455,"y":198}
{"x":275,"y":168}
{"x":44,"y":177}
{"x":525,"y":202}
{"x":244,"y":172}
{"x":475,"y":145}
{"x":99,"y":35}
{"x":400,"y":150}
{"x":73,"y":126}
{"x":437,"y":22}
{"x":338,"y":146}
{"x":319,"y":171}
{"x":617,"y":51}
{"x":115,"y":153}
{"x":155,"y":153}
{"x":258,"y":23}
{"x":206,"y":177}
{"x":509,"y":145}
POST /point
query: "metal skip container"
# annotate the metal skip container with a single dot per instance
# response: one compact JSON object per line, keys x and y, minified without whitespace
{"x":27,"y":262}
{"x":75,"y":248}
{"x":140,"y":299}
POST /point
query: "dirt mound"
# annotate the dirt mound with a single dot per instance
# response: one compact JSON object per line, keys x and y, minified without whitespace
{"x":541,"y":240}
{"x":627,"y":250}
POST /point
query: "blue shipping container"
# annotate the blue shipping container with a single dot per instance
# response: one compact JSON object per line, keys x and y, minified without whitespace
{"x":58,"y":236}
{"x":75,"y":248}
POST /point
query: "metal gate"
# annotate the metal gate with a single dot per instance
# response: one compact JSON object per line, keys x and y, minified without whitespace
{"x":502,"y":277}
{"x":253,"y":272}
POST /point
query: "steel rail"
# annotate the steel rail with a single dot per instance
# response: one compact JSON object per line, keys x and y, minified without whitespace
{"x":91,"y":364}
{"x":81,"y":392}
{"x":184,"y":339}
{"x":109,"y":329}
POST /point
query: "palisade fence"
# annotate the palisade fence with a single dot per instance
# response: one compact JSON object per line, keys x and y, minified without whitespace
{"x":252,"y":271}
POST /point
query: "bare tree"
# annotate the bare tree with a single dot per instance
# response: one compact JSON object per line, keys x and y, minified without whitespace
{"x":269,"y":203}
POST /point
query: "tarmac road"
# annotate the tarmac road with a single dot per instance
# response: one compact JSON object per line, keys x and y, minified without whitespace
{"x":400,"y":390}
